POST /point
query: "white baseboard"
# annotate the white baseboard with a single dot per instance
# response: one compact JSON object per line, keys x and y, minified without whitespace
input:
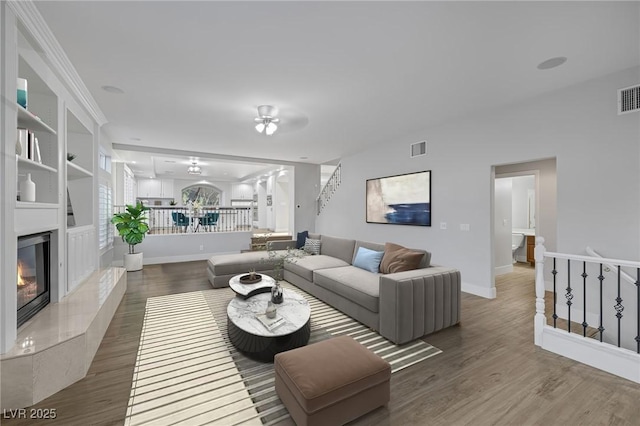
{"x":486,"y":292}
{"x":501,"y":270}
{"x":621,"y":362}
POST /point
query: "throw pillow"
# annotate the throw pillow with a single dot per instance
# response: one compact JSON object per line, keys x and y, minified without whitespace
{"x":302,"y":237}
{"x":312,"y":246}
{"x":367,"y":259}
{"x":397,"y":259}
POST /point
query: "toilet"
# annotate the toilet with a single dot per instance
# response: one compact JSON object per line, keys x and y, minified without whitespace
{"x":517,"y":241}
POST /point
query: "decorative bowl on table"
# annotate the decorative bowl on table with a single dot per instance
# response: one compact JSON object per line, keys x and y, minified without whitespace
{"x":248,"y":279}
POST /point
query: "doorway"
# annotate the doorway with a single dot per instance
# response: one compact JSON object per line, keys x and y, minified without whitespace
{"x":514,"y":220}
{"x":523,"y":202}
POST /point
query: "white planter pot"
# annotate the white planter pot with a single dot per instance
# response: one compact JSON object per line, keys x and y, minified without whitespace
{"x":133,"y":262}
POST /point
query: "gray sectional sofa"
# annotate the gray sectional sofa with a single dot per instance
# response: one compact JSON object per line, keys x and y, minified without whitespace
{"x":401,"y":306}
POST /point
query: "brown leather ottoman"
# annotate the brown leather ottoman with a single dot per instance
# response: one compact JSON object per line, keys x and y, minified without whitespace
{"x":331,"y":382}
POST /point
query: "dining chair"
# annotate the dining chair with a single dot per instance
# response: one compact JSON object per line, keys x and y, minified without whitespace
{"x":179,"y":219}
{"x":209,"y":220}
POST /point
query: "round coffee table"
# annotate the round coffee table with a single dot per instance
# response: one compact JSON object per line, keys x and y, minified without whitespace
{"x":250,"y":336}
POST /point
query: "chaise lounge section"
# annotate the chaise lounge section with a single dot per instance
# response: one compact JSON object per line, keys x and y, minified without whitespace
{"x":401,"y":306}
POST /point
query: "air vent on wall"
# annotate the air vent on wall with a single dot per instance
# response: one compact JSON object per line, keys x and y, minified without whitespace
{"x":418,"y":149}
{"x":629,"y":99}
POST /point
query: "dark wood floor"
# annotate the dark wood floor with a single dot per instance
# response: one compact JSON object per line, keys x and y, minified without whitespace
{"x":490,"y":371}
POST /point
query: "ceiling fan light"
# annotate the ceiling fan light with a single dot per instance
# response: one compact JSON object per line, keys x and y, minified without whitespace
{"x":260,"y":127}
{"x":271,"y":128}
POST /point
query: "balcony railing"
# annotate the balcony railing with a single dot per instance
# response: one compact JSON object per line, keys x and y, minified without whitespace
{"x":182,"y":220}
{"x":595,"y":310}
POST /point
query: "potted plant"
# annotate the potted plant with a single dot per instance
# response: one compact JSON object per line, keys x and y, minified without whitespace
{"x":132,"y":227}
{"x":277,"y":259}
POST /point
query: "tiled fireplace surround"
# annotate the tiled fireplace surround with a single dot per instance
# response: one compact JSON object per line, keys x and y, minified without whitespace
{"x":56,"y":347}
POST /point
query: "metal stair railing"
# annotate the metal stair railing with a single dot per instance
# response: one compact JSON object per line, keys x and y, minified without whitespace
{"x":329,"y":188}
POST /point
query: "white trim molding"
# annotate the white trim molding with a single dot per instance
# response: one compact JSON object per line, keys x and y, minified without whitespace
{"x":34,"y":23}
{"x":619,"y":361}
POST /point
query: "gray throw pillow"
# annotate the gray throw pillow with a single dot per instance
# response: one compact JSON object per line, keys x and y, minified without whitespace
{"x":312,"y":246}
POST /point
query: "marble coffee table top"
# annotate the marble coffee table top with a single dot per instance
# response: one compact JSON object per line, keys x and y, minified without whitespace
{"x":248,"y":290}
{"x":294,"y":309}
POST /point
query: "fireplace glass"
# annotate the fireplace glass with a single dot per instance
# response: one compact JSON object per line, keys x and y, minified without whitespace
{"x":33,"y":275}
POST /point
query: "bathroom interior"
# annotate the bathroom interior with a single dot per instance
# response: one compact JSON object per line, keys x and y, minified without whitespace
{"x":515,"y":221}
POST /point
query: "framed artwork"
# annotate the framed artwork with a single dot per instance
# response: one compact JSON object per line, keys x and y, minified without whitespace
{"x":400,"y":200}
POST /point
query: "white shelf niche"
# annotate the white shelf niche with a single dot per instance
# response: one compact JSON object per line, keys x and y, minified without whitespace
{"x":76,"y":172}
{"x":27,"y":165}
{"x":28,"y":120}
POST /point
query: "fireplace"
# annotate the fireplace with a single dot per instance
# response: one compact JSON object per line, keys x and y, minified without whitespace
{"x":33,"y":275}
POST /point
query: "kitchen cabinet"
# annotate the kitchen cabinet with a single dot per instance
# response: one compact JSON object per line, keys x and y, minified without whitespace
{"x":155,"y":188}
{"x":241,"y":191}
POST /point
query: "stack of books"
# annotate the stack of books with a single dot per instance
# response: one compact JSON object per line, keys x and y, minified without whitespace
{"x":29,"y":147}
{"x":270,"y":323}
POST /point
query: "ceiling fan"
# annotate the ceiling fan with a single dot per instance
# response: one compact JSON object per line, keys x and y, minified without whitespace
{"x":267,"y":120}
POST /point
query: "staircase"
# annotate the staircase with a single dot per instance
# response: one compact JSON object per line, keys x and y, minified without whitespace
{"x":329,"y":188}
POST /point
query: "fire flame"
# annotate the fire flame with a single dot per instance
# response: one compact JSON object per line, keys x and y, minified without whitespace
{"x":20,"y":280}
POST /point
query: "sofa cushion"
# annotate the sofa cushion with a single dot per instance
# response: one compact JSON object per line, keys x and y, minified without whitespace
{"x":305,"y":266}
{"x":357,"y":285}
{"x":342,"y":248}
{"x":397,"y":259}
{"x":302,"y":237}
{"x":225,"y":264}
{"x":369,"y":260}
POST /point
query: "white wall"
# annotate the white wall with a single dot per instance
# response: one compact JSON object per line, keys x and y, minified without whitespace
{"x":306,"y":180}
{"x":261,"y":186}
{"x":598,"y":177}
{"x":281,"y":203}
{"x":270,"y":191}
{"x":171,"y":248}
{"x":502,"y":226}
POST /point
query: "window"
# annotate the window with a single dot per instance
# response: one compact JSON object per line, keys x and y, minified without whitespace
{"x":205,"y":195}
{"x":105,"y":207}
{"x":104,"y":161}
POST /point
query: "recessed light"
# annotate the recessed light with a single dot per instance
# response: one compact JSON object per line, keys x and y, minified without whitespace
{"x":303,"y":158}
{"x":136,"y":139}
{"x":113,"y":89}
{"x":133,"y":162}
{"x":552,"y":63}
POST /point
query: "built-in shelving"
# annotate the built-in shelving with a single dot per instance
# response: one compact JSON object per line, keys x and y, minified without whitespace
{"x":29,"y":205}
{"x":76,"y":172}
{"x":64,"y":119}
{"x":28,"y":120}
{"x":24,"y":164}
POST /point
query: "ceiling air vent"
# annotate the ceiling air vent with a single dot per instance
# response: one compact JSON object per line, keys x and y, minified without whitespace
{"x":418,"y":149}
{"x":629,"y":99}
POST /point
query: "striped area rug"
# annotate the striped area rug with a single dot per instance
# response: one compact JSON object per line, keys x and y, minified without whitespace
{"x":188,"y":373}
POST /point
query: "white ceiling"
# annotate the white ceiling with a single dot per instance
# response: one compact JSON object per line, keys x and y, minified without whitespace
{"x":152,"y":165}
{"x":345,"y":75}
